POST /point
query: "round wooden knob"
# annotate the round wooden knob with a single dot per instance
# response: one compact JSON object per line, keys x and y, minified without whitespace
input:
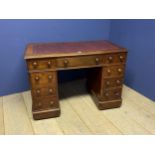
{"x":66,"y":62}
{"x":39,"y":104}
{"x":50,"y":77}
{"x":38,"y":91}
{"x":110,"y":58}
{"x":49,"y":63}
{"x":51,"y":102}
{"x":118,"y":81}
{"x":119,"y":70}
{"x":35,"y":64}
{"x":108,"y":83}
{"x":37,"y":78}
{"x":108,"y":71}
{"x":50,"y":90}
{"x":106,"y":94}
{"x":121,"y":58}
{"x":97,"y":60}
{"x":117,"y":93}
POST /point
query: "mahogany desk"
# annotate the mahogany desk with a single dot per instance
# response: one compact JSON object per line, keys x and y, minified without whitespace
{"x":105,"y":80}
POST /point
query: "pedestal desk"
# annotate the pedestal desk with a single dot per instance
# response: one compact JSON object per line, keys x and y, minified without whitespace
{"x":104,"y":80}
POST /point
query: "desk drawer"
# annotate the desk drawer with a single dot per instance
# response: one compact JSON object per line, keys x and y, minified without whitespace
{"x":46,"y":91}
{"x":118,"y":58}
{"x":114,"y":71}
{"x":112,"y":94}
{"x":112,"y":83}
{"x":82,"y":61}
{"x":45,"y":103}
{"x":40,"y":64}
{"x":43,"y":78}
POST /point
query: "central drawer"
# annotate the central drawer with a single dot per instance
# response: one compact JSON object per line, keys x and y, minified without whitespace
{"x":81,"y":61}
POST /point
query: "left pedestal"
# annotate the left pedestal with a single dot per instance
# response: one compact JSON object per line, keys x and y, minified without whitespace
{"x":44,"y":94}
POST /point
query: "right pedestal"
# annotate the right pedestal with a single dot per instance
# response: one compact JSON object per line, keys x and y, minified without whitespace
{"x":105,"y":85}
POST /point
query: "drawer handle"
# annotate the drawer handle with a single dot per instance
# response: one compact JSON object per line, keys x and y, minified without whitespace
{"x":35,"y":64}
{"x":118,"y":81}
{"x":119,"y":70}
{"x":106,"y":94}
{"x":50,"y":90}
{"x":110,"y":58}
{"x":121,"y":58}
{"x":39,"y":104}
{"x":50,"y":77}
{"x":109,"y":71}
{"x":97,"y":60}
{"x":51,"y":103}
{"x":38,"y":91}
{"x":117,"y":93}
{"x":37,"y":78}
{"x":49,"y":63}
{"x":66,"y":63}
{"x":108,"y":83}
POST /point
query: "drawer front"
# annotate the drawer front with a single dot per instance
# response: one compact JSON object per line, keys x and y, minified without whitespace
{"x":112,"y":94}
{"x":114,"y":71}
{"x":42,"y":78}
{"x":82,"y":61}
{"x":47,"y":91}
{"x":45,"y":103}
{"x":112,"y":82}
{"x":114,"y":58}
{"x":39,"y":64}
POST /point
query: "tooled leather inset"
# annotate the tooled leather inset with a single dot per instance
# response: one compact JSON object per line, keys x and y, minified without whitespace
{"x":73,"y":47}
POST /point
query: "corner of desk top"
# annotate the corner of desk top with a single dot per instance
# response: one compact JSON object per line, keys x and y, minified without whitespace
{"x":28,"y":51}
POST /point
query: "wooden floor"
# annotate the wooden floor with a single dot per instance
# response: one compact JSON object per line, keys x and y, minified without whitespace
{"x":79,"y":114}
